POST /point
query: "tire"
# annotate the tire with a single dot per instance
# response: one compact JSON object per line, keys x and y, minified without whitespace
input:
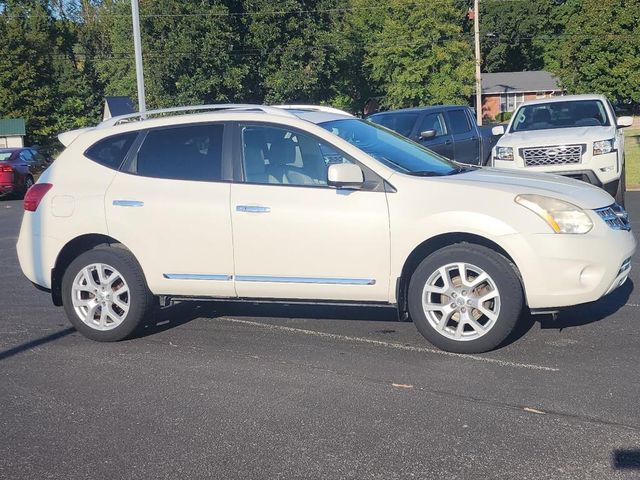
{"x":479,"y":331}
{"x":99,"y":313}
{"x":622,"y":187}
{"x":28,"y":183}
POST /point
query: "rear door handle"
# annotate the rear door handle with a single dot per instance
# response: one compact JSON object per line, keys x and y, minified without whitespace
{"x":128,"y":203}
{"x":252,"y":209}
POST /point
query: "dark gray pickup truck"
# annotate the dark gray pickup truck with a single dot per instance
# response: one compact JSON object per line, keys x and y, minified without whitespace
{"x":449,"y":130}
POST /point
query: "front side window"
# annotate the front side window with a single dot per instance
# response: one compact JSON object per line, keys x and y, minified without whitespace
{"x":398,"y":122}
{"x":190,"y":152}
{"x":433,"y":121}
{"x":391,"y":149}
{"x":459,"y":121}
{"x":280,"y":156}
{"x":26,"y":156}
{"x":111,"y":151}
{"x":563,"y":114}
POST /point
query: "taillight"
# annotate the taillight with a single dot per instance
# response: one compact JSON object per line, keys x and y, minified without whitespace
{"x":34,"y":196}
{"x":6,"y":169}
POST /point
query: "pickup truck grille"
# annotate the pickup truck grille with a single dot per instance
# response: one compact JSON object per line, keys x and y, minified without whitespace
{"x":557,"y":155}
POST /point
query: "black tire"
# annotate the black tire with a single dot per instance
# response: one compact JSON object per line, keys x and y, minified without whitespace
{"x":28,"y":183}
{"x":503,"y":274}
{"x":140,"y":298}
{"x":622,"y":187}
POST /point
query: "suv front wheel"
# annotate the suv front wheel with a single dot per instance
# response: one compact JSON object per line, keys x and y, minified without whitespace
{"x":465,"y":298}
{"x":105,"y":294}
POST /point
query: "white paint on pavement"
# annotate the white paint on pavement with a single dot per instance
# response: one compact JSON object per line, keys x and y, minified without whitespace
{"x":381,"y":343}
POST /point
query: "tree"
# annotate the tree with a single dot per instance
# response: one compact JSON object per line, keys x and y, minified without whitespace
{"x":421,"y":55}
{"x":600,"y":50}
{"x":27,"y":80}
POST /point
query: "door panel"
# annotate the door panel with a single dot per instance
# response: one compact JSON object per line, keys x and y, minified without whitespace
{"x":296,"y":237}
{"x":465,"y":137}
{"x":171,"y":208}
{"x":310,"y":243}
{"x":180,"y":232}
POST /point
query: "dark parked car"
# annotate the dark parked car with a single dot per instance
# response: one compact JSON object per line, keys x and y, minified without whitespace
{"x":19,"y":169}
{"x":451,"y":131}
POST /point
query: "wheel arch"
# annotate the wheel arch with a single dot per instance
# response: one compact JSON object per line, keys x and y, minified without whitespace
{"x":69,"y":252}
{"x":433,"y":244}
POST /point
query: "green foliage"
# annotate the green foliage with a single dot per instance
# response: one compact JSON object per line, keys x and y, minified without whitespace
{"x":420,"y":55}
{"x":600,"y":50}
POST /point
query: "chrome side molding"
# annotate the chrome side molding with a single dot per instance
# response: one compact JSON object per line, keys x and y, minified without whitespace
{"x":128,"y":203}
{"x":197,"y":276}
{"x":316,"y":280}
{"x":252,"y":209}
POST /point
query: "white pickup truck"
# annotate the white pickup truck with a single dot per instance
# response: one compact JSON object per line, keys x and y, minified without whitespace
{"x":576,"y":136}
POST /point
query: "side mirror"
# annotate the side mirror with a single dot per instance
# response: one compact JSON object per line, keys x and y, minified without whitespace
{"x":427,"y":134}
{"x":497,"y":130}
{"x":625,"y":122}
{"x":345,"y":175}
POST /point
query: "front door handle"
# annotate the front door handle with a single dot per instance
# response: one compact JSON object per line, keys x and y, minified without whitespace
{"x":252,"y":209}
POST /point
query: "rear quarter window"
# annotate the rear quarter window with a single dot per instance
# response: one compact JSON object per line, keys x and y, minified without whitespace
{"x":111,"y":151}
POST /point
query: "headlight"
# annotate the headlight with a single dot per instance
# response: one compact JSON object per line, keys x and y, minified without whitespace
{"x":604,"y":146}
{"x":503,"y":153}
{"x":561,"y":216}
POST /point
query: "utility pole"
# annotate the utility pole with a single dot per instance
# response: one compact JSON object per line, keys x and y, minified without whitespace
{"x":476,"y":34}
{"x":137,"y":45}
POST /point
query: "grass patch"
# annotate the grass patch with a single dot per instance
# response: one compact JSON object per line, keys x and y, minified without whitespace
{"x":632,"y":156}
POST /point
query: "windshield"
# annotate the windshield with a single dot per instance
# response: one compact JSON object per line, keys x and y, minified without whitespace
{"x":390,"y":148}
{"x":572,"y":113}
{"x":5,"y":156}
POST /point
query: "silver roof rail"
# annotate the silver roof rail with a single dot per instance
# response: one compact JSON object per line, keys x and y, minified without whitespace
{"x":195,"y":108}
{"x":314,"y":108}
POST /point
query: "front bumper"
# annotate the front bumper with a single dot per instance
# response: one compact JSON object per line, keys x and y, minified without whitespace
{"x":562,"y":270}
{"x":597,"y":170}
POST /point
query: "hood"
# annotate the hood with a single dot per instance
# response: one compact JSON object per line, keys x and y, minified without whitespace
{"x":556,"y":136}
{"x":570,"y":190}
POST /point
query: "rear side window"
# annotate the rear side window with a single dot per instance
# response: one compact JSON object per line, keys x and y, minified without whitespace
{"x":111,"y":151}
{"x":191,"y":152}
{"x":459,"y":121}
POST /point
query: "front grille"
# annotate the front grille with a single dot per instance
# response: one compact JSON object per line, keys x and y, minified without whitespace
{"x":615,"y":216}
{"x":558,"y":155}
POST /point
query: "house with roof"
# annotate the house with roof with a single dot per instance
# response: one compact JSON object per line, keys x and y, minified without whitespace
{"x":503,"y":92}
{"x":12,"y":132}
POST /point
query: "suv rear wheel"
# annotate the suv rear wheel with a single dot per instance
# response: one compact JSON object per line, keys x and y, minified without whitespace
{"x":465,"y":298}
{"x":105,"y":294}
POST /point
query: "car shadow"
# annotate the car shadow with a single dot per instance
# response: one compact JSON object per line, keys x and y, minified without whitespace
{"x":166,"y":318}
{"x":590,"y":312}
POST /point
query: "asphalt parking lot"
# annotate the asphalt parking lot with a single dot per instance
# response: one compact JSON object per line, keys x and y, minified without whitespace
{"x":266,"y":392}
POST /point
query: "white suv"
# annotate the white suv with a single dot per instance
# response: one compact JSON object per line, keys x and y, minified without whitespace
{"x":576,"y":136}
{"x":309,"y":204}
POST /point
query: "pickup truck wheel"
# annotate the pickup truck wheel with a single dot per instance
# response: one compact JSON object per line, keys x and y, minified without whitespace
{"x":465,"y":298}
{"x":105,"y":294}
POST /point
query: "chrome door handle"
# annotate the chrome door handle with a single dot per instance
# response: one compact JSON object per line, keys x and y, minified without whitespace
{"x":252,"y":209}
{"x":128,"y":203}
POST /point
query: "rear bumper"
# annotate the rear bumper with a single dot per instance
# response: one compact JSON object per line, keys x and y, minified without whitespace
{"x":37,"y":254}
{"x":6,"y":189}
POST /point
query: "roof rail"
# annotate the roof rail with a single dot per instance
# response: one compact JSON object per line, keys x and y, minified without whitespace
{"x":313,"y":108}
{"x":194,"y":108}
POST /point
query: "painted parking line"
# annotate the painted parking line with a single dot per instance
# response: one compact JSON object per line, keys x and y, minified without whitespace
{"x":381,"y":343}
{"x":632,"y":304}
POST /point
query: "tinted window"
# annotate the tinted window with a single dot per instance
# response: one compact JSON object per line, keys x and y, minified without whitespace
{"x":391,"y":149}
{"x":433,"y":121}
{"x":192,"y":152}
{"x":459,"y":121}
{"x":280,"y":156}
{"x":398,"y":122}
{"x":26,"y":156}
{"x":563,"y":114}
{"x":111,"y":151}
